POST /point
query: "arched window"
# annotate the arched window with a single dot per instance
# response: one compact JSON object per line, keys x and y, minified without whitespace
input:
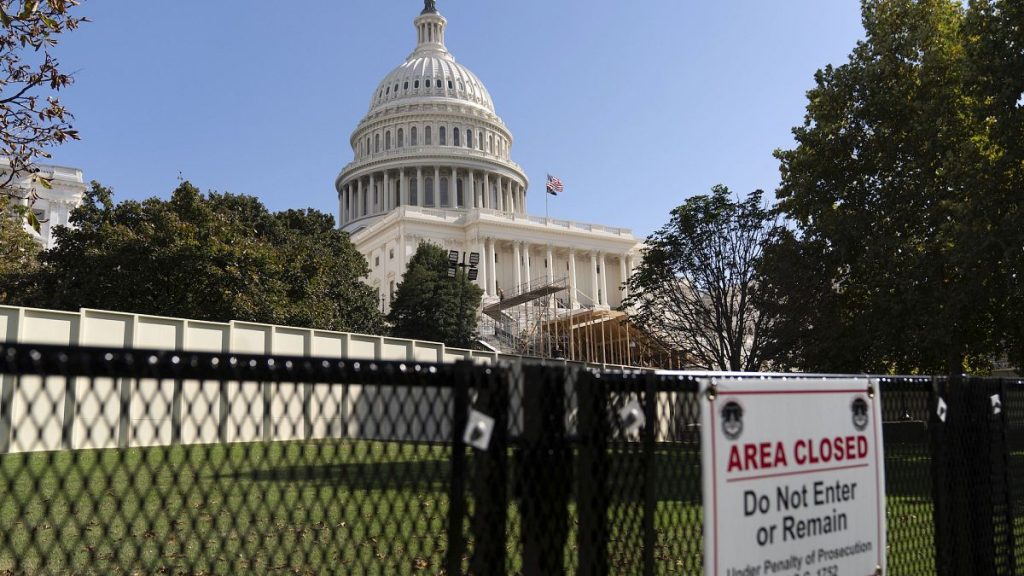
{"x":396,"y":88}
{"x":480,"y":140}
{"x":387,"y":140}
{"x":367,"y":144}
{"x":413,"y":185}
{"x":376,"y":143}
{"x":455,"y":137}
{"x":416,"y":85}
{"x":405,"y":86}
{"x":469,"y":138}
{"x":412,"y":136}
{"x":438,"y":83}
{"x":450,"y":85}
{"x":401,"y":137}
{"x":426,"y":136}
{"x":442,"y":136}
{"x":460,"y":195}
{"x":444,"y":192}
{"x":388,"y":90}
{"x":428,"y":192}
{"x":490,"y":143}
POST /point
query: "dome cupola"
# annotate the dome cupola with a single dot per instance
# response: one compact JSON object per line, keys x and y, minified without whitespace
{"x":431,"y":139}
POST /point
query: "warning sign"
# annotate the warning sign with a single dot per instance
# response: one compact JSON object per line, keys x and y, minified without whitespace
{"x":793,"y":477}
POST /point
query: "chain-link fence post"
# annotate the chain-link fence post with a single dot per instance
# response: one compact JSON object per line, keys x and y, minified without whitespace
{"x":457,"y":474}
{"x":592,"y":476}
{"x":490,"y":478}
{"x":545,"y":472}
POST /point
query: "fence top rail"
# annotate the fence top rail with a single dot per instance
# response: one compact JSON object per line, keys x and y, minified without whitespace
{"x":49,"y":360}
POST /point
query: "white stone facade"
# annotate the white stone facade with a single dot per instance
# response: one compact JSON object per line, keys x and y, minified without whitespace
{"x":432,"y":163}
{"x":52,"y":206}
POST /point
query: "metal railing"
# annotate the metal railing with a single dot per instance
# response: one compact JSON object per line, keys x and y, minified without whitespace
{"x":127,"y":461}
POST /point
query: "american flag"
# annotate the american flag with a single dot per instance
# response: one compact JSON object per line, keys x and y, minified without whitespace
{"x":555,"y":185}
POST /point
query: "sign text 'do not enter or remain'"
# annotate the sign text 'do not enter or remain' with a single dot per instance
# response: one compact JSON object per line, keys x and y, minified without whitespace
{"x":793,"y":477}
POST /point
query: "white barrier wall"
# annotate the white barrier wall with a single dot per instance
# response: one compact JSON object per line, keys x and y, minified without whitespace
{"x":38,"y":415}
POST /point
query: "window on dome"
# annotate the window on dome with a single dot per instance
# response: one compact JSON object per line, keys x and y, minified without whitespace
{"x":412,"y":192}
{"x":416,"y":84}
{"x":401,"y":137}
{"x":396,"y":87}
{"x":426,"y":136}
{"x":469,"y":138}
{"x":442,"y":136}
{"x":490,"y":143}
{"x":412,"y":136}
{"x":444,"y":192}
{"x":438,"y":83}
{"x":406,"y":85}
{"x":428,"y":193}
{"x":376,"y":143}
{"x":460,"y":195}
{"x":480,"y":140}
{"x":387,"y":140}
{"x":387,"y":90}
{"x":455,"y":137}
{"x":367,"y":144}
{"x":451,"y":85}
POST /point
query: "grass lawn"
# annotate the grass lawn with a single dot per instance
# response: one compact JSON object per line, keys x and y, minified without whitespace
{"x":284,"y":508}
{"x":335,"y":506}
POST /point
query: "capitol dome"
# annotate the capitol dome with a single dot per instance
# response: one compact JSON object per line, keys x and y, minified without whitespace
{"x":430,"y":139}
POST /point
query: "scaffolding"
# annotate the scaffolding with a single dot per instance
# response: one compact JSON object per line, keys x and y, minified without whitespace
{"x":538,"y":318}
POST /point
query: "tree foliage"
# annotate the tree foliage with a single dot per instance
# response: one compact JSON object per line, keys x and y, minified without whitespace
{"x":32,"y":118}
{"x":430,"y":305}
{"x":217,"y":257}
{"x":18,"y":251}
{"x":904,"y":187}
{"x":696,"y":288}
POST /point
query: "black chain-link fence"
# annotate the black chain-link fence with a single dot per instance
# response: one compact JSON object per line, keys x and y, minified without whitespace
{"x":134,"y":462}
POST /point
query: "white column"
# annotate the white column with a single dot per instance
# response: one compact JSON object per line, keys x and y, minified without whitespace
{"x":527,"y":264}
{"x":551,"y":265}
{"x":603,"y":293}
{"x":492,"y":288}
{"x":386,"y":200}
{"x":573,"y":303}
{"x":359,"y":198}
{"x":623,"y":276}
{"x":522,"y":199}
{"x":486,"y":191}
{"x":517,"y":256}
{"x":402,"y":257}
{"x":481,"y":279}
{"x":593,"y":279}
{"x":471,"y":197}
{"x":404,"y":189}
{"x":419,"y":186}
{"x":437,"y":186}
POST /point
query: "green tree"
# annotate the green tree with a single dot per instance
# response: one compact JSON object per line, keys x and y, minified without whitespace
{"x":18,"y":251}
{"x":430,"y":305}
{"x":216,"y":257}
{"x":895,"y":262}
{"x":32,"y":118}
{"x":696,"y":288}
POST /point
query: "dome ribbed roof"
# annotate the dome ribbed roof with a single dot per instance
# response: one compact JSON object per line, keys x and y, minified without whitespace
{"x":430,"y":73}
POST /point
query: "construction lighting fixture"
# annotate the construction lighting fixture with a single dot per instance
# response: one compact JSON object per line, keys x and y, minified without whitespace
{"x":451,"y":272}
{"x":473,"y":272}
{"x":453,"y":257}
{"x":474,"y":259}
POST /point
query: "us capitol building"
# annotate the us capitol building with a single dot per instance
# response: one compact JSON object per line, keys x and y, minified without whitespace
{"x":433,"y":163}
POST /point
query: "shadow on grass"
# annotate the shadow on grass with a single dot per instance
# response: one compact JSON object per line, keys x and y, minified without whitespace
{"x":431,"y":475}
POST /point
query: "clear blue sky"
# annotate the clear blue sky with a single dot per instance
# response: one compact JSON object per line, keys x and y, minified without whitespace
{"x":635,"y":105}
